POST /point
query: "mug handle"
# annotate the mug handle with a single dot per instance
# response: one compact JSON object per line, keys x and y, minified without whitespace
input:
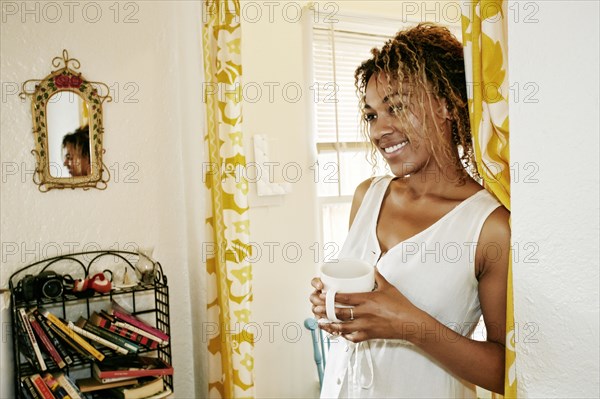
{"x":330,"y":306}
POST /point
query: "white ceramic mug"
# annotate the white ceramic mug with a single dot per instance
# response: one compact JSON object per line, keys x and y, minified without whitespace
{"x":345,"y":276}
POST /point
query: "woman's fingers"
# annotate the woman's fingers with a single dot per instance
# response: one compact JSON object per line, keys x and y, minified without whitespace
{"x":318,"y":305}
{"x":351,"y":330}
{"x":360,"y":298}
{"x":346,"y":314}
{"x":316,"y":283}
{"x":365,"y":315}
{"x":352,"y":299}
{"x":316,"y":299}
{"x":356,"y":336}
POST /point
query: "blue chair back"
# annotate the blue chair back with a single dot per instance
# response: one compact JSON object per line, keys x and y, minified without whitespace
{"x":320,"y":346}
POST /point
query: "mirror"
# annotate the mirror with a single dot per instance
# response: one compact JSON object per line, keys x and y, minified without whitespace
{"x":68,"y":135}
{"x":67,"y":128}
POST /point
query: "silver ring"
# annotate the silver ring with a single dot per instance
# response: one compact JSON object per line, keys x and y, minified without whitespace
{"x":351,"y":314}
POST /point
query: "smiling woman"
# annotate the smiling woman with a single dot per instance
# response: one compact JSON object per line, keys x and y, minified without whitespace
{"x":410,"y":336}
{"x":430,"y":102}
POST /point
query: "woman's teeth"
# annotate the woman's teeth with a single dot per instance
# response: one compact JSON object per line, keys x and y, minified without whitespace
{"x":396,"y":147}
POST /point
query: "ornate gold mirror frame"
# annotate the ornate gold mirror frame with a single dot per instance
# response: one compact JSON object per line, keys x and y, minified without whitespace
{"x":68,"y":131}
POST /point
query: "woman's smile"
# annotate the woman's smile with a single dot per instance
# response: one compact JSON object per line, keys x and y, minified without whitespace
{"x":390,"y":149}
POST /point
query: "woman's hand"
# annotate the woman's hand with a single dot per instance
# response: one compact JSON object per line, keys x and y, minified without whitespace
{"x":382,"y":313}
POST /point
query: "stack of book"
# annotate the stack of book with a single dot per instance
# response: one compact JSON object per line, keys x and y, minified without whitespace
{"x":113,"y":339}
{"x":48,"y":386}
{"x":128,"y":377}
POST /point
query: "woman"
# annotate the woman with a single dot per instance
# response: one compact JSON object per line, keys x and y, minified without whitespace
{"x":440,"y":242}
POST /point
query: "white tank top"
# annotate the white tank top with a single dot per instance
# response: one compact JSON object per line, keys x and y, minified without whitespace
{"x":435,"y":270}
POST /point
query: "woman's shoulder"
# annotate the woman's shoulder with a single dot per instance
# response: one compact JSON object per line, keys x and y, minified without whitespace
{"x":472,"y":189}
{"x":361,"y":192}
{"x":498,"y":222}
{"x":362,"y":188}
{"x":359,"y":195}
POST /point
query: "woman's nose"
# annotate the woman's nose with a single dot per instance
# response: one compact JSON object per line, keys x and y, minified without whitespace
{"x":381,"y":126}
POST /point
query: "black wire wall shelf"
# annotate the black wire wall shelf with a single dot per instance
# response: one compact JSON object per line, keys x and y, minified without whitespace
{"x":148,"y":299}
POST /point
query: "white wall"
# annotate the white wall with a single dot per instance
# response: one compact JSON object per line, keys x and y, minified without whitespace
{"x":273,"y":52}
{"x":558,"y":215}
{"x":153,"y":142}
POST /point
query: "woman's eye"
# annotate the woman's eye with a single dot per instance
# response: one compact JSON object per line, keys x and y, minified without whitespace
{"x":369,"y":117}
{"x":394,"y":109}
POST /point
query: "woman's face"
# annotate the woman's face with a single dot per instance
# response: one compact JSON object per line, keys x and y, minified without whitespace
{"x":400,"y":126}
{"x":75,"y":162}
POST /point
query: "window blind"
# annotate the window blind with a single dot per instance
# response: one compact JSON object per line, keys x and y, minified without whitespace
{"x":339,"y":47}
{"x":336,"y":56}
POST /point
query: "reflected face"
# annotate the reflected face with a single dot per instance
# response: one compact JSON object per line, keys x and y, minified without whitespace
{"x":398,"y":126}
{"x":77,"y":164}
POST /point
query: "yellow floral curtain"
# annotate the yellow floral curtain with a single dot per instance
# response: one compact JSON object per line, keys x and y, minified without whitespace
{"x":230,"y":344}
{"x":484,"y":29}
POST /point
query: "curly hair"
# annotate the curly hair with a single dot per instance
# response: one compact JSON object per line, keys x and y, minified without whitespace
{"x":425,"y":63}
{"x":80,"y":140}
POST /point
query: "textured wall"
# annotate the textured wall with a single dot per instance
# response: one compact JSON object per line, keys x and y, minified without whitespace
{"x":149,"y":54}
{"x":555,"y":219}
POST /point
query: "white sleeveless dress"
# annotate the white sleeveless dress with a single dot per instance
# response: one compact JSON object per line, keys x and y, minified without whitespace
{"x":435,"y":270}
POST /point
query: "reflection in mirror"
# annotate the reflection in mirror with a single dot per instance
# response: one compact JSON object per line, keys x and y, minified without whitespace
{"x":76,"y":150}
{"x":68,"y":135}
{"x":68,"y":128}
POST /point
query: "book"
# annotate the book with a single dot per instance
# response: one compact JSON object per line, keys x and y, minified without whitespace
{"x":111,"y":336}
{"x":91,"y":384}
{"x":134,"y":330}
{"x":45,"y":341}
{"x":36,"y":349}
{"x":138,"y":331}
{"x":141,"y":390}
{"x":30,"y":388}
{"x":106,"y":322}
{"x":72,"y":334}
{"x":78,"y":328}
{"x":70,"y":343}
{"x":25,"y":344}
{"x":162,"y":394}
{"x":41,"y":387}
{"x":69,"y":386}
{"x":131,"y":366}
{"x":109,"y":380}
{"x":25,"y":393}
{"x":53,"y":338}
{"x":121,"y":314}
{"x":58,"y":391}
